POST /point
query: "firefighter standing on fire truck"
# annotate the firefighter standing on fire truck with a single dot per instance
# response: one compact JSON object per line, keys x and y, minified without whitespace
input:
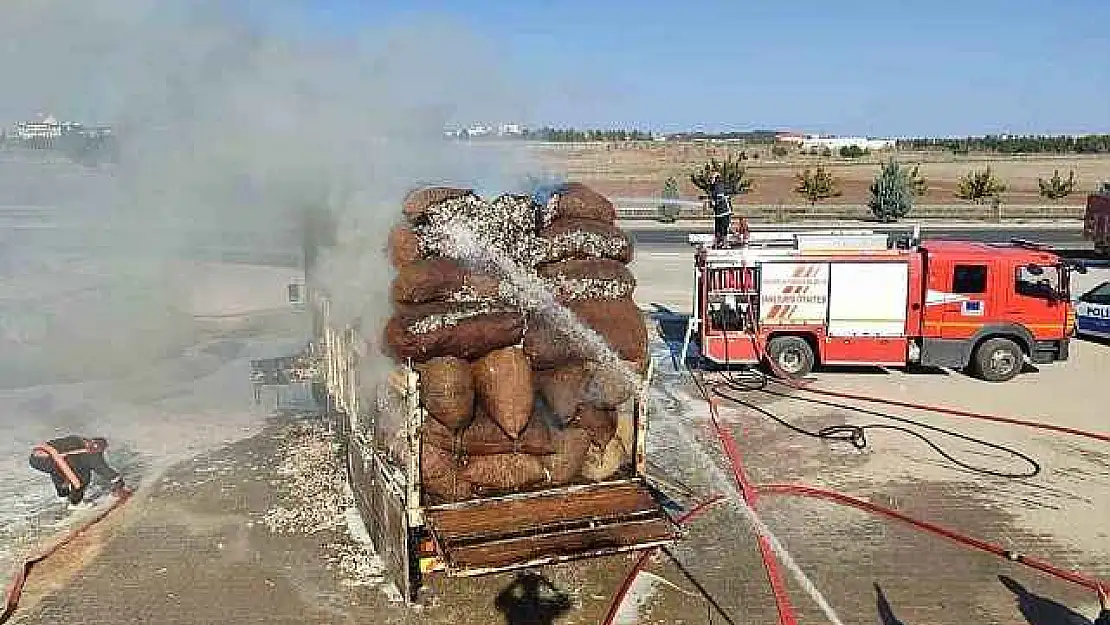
{"x":721,"y":205}
{"x":71,"y":461}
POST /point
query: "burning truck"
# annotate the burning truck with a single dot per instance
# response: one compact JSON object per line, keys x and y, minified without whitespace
{"x":496,"y":442}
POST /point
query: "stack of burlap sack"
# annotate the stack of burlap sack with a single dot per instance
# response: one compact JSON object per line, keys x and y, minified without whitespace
{"x":515,"y":404}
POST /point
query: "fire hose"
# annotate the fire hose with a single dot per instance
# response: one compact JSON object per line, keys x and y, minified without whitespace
{"x":15,"y":589}
{"x":641,"y":562}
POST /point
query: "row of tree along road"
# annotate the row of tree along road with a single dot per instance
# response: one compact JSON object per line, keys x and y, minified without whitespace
{"x":892,"y":193}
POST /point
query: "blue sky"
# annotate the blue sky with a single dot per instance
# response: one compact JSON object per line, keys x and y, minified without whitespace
{"x":846,"y":66}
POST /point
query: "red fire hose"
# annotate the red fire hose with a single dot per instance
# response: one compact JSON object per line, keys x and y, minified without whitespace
{"x":641,"y":562}
{"x":1098,"y":436}
{"x":803,"y":490}
{"x":15,"y":589}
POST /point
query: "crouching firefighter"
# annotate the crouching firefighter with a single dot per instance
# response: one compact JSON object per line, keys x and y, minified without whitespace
{"x":71,"y":461}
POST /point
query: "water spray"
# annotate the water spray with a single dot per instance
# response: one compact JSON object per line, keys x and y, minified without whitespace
{"x":530,"y":293}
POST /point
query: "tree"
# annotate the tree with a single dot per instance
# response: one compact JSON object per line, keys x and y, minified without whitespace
{"x":779,"y":151}
{"x":852,"y":151}
{"x":893,"y":191}
{"x":668,"y":210}
{"x":826,"y":151}
{"x":979,"y":185}
{"x":817,"y":185}
{"x":917,"y":181}
{"x":733,"y":175}
{"x":1056,"y":188}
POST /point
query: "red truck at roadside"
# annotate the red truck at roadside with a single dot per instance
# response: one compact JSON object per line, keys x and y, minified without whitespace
{"x":798,"y":300}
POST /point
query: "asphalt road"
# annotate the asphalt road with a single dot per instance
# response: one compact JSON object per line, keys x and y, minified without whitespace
{"x":1062,"y":239}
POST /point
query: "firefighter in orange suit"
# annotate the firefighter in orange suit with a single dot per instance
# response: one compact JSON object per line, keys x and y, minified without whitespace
{"x":71,"y":461}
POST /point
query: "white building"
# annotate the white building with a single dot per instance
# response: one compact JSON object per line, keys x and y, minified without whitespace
{"x":790,"y":137}
{"x":479,"y":130}
{"x":835,"y":143}
{"x":510,"y":130}
{"x":46,"y":128}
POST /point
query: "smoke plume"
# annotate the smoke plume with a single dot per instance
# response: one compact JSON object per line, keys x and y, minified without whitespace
{"x":229,"y":125}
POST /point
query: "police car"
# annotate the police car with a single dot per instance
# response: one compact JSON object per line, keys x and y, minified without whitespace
{"x":1092,"y":312}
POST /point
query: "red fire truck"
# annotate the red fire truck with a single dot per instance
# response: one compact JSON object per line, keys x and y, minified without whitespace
{"x":1096,"y":221}
{"x":797,"y":300}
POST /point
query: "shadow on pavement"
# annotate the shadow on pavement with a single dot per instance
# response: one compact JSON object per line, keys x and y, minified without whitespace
{"x":886,"y":613}
{"x":1040,"y":610}
{"x":531,"y":599}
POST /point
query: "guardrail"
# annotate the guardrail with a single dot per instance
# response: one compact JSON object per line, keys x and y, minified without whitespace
{"x":650,"y":209}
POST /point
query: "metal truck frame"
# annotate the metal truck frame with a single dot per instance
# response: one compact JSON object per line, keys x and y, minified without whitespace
{"x":479,"y":536}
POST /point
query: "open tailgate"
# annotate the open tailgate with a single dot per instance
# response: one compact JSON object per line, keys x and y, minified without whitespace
{"x":531,"y":529}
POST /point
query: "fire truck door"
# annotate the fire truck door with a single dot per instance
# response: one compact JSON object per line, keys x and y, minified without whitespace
{"x":955,"y":298}
{"x":1036,"y":300}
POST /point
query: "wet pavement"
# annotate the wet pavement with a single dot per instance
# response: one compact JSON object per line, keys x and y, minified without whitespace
{"x":205,"y":544}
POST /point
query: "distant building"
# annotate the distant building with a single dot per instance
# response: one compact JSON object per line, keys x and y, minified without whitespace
{"x":479,"y":130}
{"x":790,"y":137}
{"x":46,"y":128}
{"x":835,"y":143}
{"x":510,"y":130}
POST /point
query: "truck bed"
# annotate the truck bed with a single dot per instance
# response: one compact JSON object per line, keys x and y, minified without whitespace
{"x":530,"y":529}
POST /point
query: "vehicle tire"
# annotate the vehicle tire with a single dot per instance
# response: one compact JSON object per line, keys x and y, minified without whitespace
{"x":998,"y":360}
{"x":790,"y":356}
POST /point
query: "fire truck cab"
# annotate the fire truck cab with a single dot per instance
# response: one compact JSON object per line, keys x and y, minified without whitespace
{"x":794,"y":301}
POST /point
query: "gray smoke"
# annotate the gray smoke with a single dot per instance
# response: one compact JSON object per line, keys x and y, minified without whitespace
{"x":229,"y":126}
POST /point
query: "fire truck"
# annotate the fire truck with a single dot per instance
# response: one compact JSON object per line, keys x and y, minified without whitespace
{"x":794,"y":301}
{"x":1096,"y":221}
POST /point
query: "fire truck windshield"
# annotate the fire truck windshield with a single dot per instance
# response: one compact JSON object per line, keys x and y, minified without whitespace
{"x":1042,"y":281}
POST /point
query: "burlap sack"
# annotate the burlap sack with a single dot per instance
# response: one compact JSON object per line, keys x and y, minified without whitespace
{"x":599,"y":278}
{"x":483,"y":437}
{"x":569,"y":239}
{"x":595,"y":268}
{"x":441,"y":477}
{"x":608,"y":385}
{"x":626,"y":426}
{"x":562,"y":389}
{"x":601,"y":424}
{"x":447,"y":390}
{"x":577,"y":201}
{"x":546,"y":347}
{"x":504,"y":471}
{"x":404,"y":246}
{"x":418,"y":202}
{"x":603,"y":463}
{"x":503,"y":381}
{"x":436,"y":434}
{"x":410,"y":333}
{"x":438,"y":279}
{"x":571,"y":445}
{"x":619,"y":322}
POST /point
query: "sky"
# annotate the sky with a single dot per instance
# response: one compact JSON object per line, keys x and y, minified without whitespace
{"x":847,"y":67}
{"x":881,"y":68}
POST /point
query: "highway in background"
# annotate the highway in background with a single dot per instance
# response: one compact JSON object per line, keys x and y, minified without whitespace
{"x":1063,"y":239}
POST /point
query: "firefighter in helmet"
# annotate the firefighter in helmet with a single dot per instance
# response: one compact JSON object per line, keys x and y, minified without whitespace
{"x":721,"y":205}
{"x":71,"y":461}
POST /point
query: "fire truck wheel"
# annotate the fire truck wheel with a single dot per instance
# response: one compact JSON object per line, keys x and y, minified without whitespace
{"x":998,"y":360}
{"x":790,"y":356}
